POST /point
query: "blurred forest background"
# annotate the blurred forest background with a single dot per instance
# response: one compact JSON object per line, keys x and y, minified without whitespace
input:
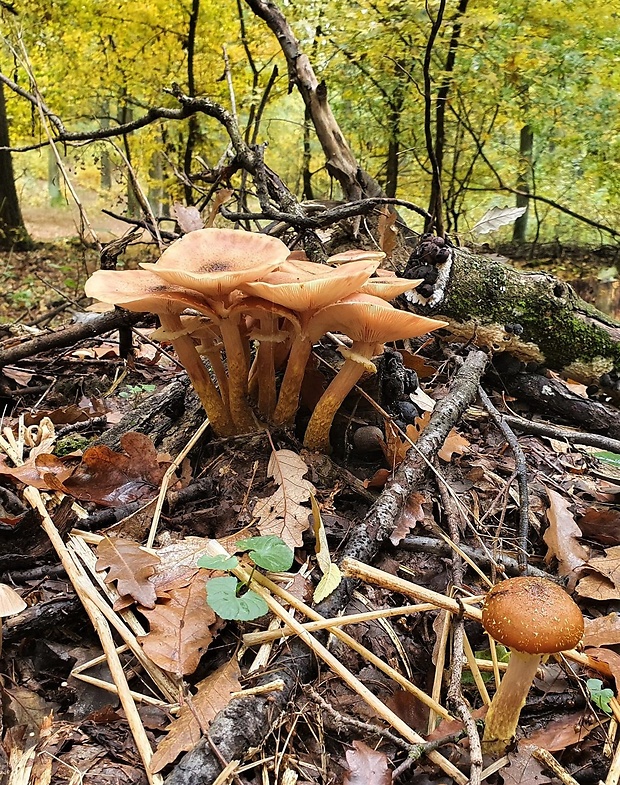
{"x":523,"y":96}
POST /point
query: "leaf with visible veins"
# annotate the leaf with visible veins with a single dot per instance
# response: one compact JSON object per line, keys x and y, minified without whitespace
{"x":131,"y":568}
{"x":562,"y":539}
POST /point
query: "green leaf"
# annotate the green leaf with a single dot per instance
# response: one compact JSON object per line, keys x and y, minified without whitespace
{"x":600,"y":697}
{"x":222,"y":598}
{"x":608,"y":457}
{"x":219,"y":562}
{"x":269,"y":552}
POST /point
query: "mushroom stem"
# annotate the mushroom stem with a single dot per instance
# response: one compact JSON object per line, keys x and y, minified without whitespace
{"x":199,"y":377}
{"x":265,"y":367}
{"x":237,"y":362}
{"x":358,"y":361}
{"x":503,"y":715}
{"x":288,"y":400}
{"x":211,"y":350}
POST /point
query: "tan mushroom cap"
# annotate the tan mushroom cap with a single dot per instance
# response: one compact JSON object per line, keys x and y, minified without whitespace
{"x":371,"y":320}
{"x":387,"y":287}
{"x":214,"y":262}
{"x":532,"y":616}
{"x":139,"y":290}
{"x":307,"y":292}
{"x":10,"y":601}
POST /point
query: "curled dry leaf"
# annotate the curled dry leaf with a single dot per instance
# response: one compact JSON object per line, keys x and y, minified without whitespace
{"x":367,"y":766}
{"x":454,"y":443}
{"x":564,"y":732}
{"x":610,"y":658}
{"x":212,"y":695}
{"x":604,"y":631}
{"x":179,"y":631}
{"x":601,"y":525}
{"x":283,"y":513}
{"x":411,"y":514}
{"x":562,"y":539}
{"x":595,"y":586}
{"x":113,"y":478}
{"x":130,"y":566}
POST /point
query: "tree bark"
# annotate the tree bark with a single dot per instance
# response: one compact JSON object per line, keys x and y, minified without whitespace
{"x":13,"y":232}
{"x":526,"y":144}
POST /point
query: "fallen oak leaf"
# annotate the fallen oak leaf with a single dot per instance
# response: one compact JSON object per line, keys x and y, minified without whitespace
{"x":283,"y":514}
{"x":130,"y":566}
{"x":212,"y":695}
{"x":409,"y":517}
{"x":367,"y":766}
{"x":179,"y":631}
{"x":454,"y":443}
{"x":562,"y":539}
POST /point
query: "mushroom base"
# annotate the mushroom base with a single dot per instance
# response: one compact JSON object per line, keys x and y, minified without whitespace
{"x":503,"y":715}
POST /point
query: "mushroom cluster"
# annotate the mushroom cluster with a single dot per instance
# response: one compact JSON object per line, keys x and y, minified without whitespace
{"x":248,"y":306}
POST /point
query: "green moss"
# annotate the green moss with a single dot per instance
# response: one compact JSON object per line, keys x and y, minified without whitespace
{"x":71,"y":443}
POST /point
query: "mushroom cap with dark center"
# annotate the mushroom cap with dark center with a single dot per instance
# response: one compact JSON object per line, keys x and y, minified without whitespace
{"x":214,"y":262}
{"x":10,"y":601}
{"x":532,"y":616}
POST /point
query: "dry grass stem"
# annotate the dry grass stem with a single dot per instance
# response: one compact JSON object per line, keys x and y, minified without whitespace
{"x":439,"y":656}
{"x":549,"y":762}
{"x":475,"y":671}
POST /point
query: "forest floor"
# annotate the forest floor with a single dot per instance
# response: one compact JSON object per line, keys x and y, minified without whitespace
{"x":103,"y":433}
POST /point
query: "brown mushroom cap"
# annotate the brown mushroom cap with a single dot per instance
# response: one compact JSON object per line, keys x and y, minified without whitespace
{"x":532,"y":615}
{"x":215,"y":261}
{"x":10,"y":601}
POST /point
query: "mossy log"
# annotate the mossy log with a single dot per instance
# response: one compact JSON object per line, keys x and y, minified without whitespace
{"x":483,"y":295}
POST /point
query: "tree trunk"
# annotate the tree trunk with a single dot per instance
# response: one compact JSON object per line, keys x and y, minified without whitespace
{"x":13,"y":233}
{"x":526,"y":144}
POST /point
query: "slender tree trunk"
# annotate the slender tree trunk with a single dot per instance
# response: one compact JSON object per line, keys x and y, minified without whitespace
{"x":192,"y":124}
{"x":53,"y":179}
{"x":106,"y":163}
{"x":394,"y":115}
{"x":526,"y":144}
{"x":13,"y":233}
{"x":306,"y":173}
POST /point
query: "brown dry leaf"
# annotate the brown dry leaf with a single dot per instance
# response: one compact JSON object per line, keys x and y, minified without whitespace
{"x":188,"y":218}
{"x":562,"y":539}
{"x":411,"y":514}
{"x":454,"y":443}
{"x":562,"y":733}
{"x":610,"y":658}
{"x":394,"y":448}
{"x":22,"y":378}
{"x":37,"y":470}
{"x":386,"y":232}
{"x":282,"y":513}
{"x":608,"y":565}
{"x":602,"y":526}
{"x":24,"y":707}
{"x":378,"y":480}
{"x":113,"y":478}
{"x":212,"y":695}
{"x":418,"y":364}
{"x":179,"y":631}
{"x":130,"y":566}
{"x":595,"y":586}
{"x":367,"y":766}
{"x":222,"y":196}
{"x":604,"y":631}
{"x":523,"y":768}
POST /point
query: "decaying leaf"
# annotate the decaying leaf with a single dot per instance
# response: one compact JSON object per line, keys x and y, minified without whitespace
{"x":562,"y":539}
{"x":602,"y":526}
{"x":188,"y":218}
{"x":331,"y":572}
{"x":283,"y":513}
{"x":610,"y":658}
{"x":564,"y":732}
{"x":608,"y":565}
{"x":596,"y":587}
{"x":179,"y":631}
{"x":604,"y":631}
{"x":411,"y":514}
{"x":113,"y":478}
{"x":454,"y":443}
{"x":130,"y":566}
{"x":367,"y":766}
{"x":497,"y":217}
{"x":523,"y":768}
{"x":212,"y":695}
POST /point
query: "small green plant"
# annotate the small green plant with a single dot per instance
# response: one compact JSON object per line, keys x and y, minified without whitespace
{"x":503,"y":655}
{"x":136,"y":391}
{"x":600,"y":697}
{"x":229,"y":597}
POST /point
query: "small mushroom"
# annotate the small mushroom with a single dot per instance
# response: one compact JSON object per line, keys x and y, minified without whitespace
{"x":370,"y":322}
{"x":533,"y":617}
{"x":10,"y":604}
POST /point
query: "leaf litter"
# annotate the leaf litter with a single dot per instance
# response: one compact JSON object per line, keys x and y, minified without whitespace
{"x":165,"y":590}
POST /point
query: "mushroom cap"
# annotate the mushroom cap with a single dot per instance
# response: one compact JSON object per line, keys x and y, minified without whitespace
{"x":214,"y":262}
{"x":372,"y":320}
{"x":10,"y":601}
{"x":139,"y":290}
{"x":388,"y":287}
{"x":532,"y":616}
{"x":307,"y":292}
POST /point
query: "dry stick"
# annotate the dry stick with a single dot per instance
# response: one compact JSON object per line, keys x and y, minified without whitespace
{"x":214,"y":549}
{"x":352,"y":643}
{"x":549,"y":762}
{"x":351,"y":568}
{"x":454,"y":697}
{"x":165,"y":483}
{"x":566,"y":434}
{"x":103,"y":630}
{"x":521,"y":468}
{"x":257,"y":638}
